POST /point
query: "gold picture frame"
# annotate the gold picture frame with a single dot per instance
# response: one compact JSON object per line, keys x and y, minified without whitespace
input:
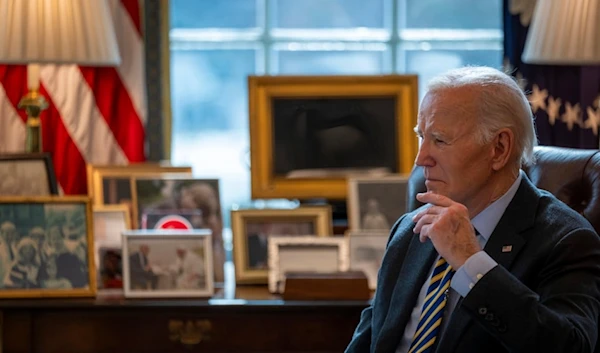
{"x":391,"y":99}
{"x":50,"y":273}
{"x":97,"y":175}
{"x":319,"y":218}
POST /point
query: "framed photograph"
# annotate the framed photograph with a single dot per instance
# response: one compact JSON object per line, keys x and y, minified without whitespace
{"x":375,"y":203}
{"x":114,"y":184}
{"x":366,"y":253}
{"x":46,"y":247}
{"x":253,"y":228}
{"x":185,"y":196}
{"x":28,"y":174}
{"x":168,"y":264}
{"x":305,"y":254}
{"x":308,"y":134}
{"x":110,"y":222}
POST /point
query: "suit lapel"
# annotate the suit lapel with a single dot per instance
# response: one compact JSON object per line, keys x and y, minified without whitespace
{"x":413,"y":274}
{"x":503,"y":246}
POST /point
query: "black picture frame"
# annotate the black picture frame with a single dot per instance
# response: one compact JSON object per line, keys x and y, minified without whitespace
{"x":46,"y":158}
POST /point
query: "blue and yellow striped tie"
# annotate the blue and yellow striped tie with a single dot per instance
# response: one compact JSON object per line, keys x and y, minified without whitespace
{"x":433,"y":309}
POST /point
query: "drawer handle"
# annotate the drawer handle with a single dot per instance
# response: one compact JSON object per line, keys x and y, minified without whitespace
{"x":190,"y":332}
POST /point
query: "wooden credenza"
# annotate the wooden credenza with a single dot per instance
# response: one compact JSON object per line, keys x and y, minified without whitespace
{"x":248,"y":320}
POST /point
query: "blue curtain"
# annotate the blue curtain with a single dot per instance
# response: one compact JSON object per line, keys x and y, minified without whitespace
{"x":565,"y":99}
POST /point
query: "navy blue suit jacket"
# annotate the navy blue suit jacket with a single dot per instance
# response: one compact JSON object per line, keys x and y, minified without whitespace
{"x":543,"y":297}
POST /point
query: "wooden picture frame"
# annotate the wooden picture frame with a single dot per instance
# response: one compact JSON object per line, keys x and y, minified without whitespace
{"x":322,"y":259}
{"x":288,"y":154}
{"x":22,"y":167}
{"x":253,"y":269}
{"x":375,"y":203}
{"x":98,"y":174}
{"x":164,"y":278}
{"x":110,"y":221}
{"x":65,"y":265}
{"x":121,"y":179}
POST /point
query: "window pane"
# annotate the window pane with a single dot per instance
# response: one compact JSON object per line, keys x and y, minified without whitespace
{"x":210,"y":118}
{"x":428,"y":64}
{"x":331,"y":62}
{"x":328,"y":13}
{"x":464,"y":14}
{"x":213,"y":13}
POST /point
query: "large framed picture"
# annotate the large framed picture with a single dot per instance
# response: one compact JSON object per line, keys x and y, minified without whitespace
{"x":375,"y":203}
{"x":28,"y":174}
{"x":184,"y":197}
{"x":305,"y":254}
{"x":308,"y":134}
{"x":366,"y":253}
{"x":110,"y":222}
{"x":167,"y":264}
{"x":46,"y":247}
{"x":253,"y":228}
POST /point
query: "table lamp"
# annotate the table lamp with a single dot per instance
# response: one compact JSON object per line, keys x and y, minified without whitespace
{"x":564,"y":32}
{"x":35,"y":32}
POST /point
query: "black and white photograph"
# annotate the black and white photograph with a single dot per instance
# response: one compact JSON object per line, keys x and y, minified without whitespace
{"x":165,"y":263}
{"x":375,"y":203}
{"x":45,"y":247}
{"x":334,"y":136}
{"x":366,"y":253}
{"x":27,"y":175}
{"x":252,"y":229}
{"x":305,"y":254}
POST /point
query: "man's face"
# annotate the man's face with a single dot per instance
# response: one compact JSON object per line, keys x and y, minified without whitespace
{"x":454,"y":163}
{"x":8,"y":231}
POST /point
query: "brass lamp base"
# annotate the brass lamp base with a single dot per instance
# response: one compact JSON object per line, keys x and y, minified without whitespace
{"x":33,"y":103}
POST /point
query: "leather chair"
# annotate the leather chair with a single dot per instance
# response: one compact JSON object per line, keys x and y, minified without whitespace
{"x":572,"y":175}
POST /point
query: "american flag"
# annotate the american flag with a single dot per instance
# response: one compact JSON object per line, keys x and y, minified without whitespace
{"x":95,"y":115}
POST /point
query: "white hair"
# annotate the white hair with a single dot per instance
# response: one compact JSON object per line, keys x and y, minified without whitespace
{"x":501,"y":102}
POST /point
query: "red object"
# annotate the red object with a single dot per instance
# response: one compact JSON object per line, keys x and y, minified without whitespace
{"x":95,"y":114}
{"x":173,"y":222}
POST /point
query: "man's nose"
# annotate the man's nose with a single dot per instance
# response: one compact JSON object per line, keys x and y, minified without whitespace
{"x":423,"y":156}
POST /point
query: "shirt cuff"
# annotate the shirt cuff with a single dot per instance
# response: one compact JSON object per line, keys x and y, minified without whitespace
{"x":471,"y":272}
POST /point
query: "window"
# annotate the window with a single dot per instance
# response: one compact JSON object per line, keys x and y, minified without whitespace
{"x":215,"y":45}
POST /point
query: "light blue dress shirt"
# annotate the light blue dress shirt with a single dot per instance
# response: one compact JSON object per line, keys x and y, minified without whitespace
{"x":467,"y":276}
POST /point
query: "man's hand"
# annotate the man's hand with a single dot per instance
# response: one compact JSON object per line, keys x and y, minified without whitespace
{"x":446,"y":223}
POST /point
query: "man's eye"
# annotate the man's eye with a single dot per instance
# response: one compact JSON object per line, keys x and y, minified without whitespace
{"x":437,"y":140}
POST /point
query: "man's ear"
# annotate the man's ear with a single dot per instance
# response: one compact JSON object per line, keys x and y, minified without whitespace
{"x":502,"y":150}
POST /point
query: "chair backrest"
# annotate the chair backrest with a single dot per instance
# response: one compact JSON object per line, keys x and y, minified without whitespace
{"x":572,"y":175}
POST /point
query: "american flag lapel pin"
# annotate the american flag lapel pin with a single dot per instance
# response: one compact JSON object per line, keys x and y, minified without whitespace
{"x":507,"y":248}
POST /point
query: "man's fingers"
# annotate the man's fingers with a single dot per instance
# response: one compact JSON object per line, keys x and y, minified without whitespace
{"x":424,"y":220}
{"x":434,"y":199}
{"x":435,"y":210}
{"x":424,"y":234}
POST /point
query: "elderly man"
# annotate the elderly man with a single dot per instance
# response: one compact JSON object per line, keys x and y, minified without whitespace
{"x":490,"y":263}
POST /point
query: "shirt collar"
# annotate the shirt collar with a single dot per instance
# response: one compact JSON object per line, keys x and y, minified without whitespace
{"x":485,"y":222}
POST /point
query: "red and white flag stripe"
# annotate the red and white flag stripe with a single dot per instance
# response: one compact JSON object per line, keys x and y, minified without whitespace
{"x":95,"y":115}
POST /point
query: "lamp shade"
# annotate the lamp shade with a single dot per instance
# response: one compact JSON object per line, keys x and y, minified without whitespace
{"x":564,"y":32}
{"x":57,"y":32}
